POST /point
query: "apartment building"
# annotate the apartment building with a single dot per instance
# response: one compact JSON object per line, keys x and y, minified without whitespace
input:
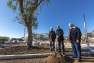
{"x":46,"y":35}
{"x":42,"y":35}
{"x":88,"y":34}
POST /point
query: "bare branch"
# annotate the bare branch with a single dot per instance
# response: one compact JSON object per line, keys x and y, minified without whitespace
{"x":39,"y":3}
{"x":36,"y":1}
{"x":35,"y":7}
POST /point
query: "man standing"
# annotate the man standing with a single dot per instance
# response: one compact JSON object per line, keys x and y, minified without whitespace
{"x":75,"y":38}
{"x":52,"y":37}
{"x":60,"y":38}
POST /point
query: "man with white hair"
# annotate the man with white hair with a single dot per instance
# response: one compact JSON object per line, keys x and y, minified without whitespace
{"x":75,"y":38}
{"x":52,"y":37}
{"x":60,"y":38}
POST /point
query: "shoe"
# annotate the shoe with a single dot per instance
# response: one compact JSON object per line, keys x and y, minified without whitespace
{"x":74,"y":57}
{"x":79,"y":60}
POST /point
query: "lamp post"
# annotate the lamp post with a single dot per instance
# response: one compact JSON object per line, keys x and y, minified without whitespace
{"x":92,"y":33}
{"x":84,"y":25}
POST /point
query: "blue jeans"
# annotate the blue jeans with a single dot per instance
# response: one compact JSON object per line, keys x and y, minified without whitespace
{"x":59,"y":45}
{"x":53,"y":45}
{"x":76,"y":50}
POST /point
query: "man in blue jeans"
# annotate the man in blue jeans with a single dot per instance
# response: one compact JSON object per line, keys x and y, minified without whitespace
{"x":75,"y":38}
{"x":52,"y":37}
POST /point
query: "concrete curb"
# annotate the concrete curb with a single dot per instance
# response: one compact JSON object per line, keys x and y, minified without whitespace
{"x":24,"y":56}
{"x":82,"y":53}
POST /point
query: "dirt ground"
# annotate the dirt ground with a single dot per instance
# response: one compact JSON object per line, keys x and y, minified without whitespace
{"x":17,"y":50}
{"x":36,"y":50}
{"x":22,"y":50}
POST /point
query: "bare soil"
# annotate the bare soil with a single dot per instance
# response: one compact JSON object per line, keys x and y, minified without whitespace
{"x":22,"y":50}
{"x":17,"y":50}
{"x":60,"y":58}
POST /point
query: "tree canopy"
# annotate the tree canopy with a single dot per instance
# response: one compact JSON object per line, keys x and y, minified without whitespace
{"x":27,"y":11}
{"x":13,"y":39}
{"x":3,"y":38}
{"x":20,"y":39}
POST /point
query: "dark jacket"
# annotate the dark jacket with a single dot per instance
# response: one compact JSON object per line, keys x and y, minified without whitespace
{"x":75,"y":34}
{"x":52,"y":36}
{"x":60,"y":34}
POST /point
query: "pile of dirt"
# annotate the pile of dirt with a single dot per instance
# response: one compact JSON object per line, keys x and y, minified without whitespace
{"x":68,"y":49}
{"x":59,"y":58}
{"x":23,"y":50}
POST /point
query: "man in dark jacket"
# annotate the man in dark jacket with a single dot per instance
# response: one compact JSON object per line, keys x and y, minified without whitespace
{"x":75,"y":38}
{"x":52,"y":37}
{"x":60,"y":38}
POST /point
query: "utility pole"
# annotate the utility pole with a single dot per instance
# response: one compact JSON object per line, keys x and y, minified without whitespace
{"x":84,"y":26}
{"x":93,"y":34}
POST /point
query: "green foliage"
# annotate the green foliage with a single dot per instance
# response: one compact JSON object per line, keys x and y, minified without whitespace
{"x":37,"y":38}
{"x":3,"y":38}
{"x":20,"y":39}
{"x":13,"y":39}
{"x":41,"y":38}
{"x":10,"y":4}
{"x":27,"y":12}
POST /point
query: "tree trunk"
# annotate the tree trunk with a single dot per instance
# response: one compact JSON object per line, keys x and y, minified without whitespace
{"x":29,"y":41}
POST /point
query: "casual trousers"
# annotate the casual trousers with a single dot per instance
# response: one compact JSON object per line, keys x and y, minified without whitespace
{"x":76,"y":50}
{"x":59,"y":45}
{"x":53,"y":45}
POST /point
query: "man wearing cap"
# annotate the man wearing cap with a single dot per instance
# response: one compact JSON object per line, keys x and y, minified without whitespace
{"x":52,"y":37}
{"x":75,"y":38}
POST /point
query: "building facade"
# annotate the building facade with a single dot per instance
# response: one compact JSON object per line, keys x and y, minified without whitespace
{"x":90,"y":35}
{"x":38,"y":36}
{"x":42,"y":35}
{"x":83,"y":35}
{"x":34,"y":35}
{"x":45,"y":35}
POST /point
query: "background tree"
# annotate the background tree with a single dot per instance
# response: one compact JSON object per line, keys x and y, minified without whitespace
{"x":20,"y":39}
{"x":3,"y":39}
{"x":13,"y":39}
{"x":27,"y":14}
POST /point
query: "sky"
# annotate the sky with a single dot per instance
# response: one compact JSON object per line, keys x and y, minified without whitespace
{"x":58,"y":12}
